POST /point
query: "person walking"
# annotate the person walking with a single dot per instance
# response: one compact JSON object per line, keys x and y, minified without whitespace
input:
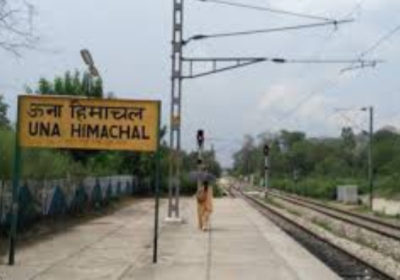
{"x":204,"y":205}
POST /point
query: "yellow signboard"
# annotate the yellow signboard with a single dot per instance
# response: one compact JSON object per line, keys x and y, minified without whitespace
{"x":78,"y":123}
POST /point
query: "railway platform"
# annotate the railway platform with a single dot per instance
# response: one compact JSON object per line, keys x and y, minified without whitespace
{"x":242,"y":244}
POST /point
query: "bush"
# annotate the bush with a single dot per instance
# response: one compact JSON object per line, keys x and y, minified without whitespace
{"x":217,"y":191}
{"x":318,"y":188}
{"x":387,"y":186}
{"x":188,"y":187}
{"x":322,"y":188}
{"x":6,"y":153}
{"x":283,"y":184}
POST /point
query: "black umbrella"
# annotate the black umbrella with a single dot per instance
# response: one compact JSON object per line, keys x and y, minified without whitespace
{"x":202,"y":176}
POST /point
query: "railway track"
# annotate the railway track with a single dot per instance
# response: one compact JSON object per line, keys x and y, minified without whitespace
{"x":384,"y":228}
{"x":345,"y":264}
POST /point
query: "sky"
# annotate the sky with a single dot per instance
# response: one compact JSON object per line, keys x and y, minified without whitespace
{"x":130,"y":43}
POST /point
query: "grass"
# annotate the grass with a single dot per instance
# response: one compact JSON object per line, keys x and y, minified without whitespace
{"x":294,"y":212}
{"x":364,"y":209}
{"x":275,"y":203}
{"x":323,"y":224}
{"x":365,"y":242}
{"x":338,"y":232}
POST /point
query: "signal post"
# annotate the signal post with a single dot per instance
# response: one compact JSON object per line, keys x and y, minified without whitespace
{"x":266,"y":168}
{"x":200,"y":149}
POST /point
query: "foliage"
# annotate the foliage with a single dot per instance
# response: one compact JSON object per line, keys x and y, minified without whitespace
{"x":105,"y":163}
{"x":189,"y":187}
{"x":315,"y":166}
{"x":72,"y":85}
{"x":6,"y":153}
{"x":36,"y":163}
{"x":53,"y":164}
{"x":189,"y":162}
{"x":76,"y":85}
{"x":387,"y":186}
{"x":4,"y":121}
{"x":248,"y":158}
{"x":59,"y":163}
{"x":218,"y":192}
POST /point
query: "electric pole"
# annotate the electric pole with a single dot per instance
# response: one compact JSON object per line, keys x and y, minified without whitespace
{"x":175,"y":114}
{"x":266,"y":168}
{"x":217,"y":65}
{"x":370,"y":160}
{"x":200,"y":160}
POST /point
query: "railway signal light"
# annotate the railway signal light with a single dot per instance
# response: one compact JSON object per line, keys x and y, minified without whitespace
{"x":266,"y":150}
{"x":200,"y":137}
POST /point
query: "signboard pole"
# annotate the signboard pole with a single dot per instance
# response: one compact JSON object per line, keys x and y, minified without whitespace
{"x":15,"y":194}
{"x":157,"y":189}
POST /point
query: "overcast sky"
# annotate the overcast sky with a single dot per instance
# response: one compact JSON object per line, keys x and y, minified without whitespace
{"x":130,"y":42}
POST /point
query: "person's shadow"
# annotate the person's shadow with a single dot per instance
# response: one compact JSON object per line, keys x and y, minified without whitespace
{"x":217,"y":229}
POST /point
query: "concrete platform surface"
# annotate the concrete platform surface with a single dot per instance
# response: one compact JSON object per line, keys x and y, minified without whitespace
{"x":241,"y":244}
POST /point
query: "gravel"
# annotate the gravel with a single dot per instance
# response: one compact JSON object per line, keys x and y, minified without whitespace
{"x":380,"y":252}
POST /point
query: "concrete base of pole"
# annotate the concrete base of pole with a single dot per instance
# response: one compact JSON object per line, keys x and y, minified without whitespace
{"x":174,"y":220}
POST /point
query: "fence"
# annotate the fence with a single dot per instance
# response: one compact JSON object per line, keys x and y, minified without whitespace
{"x":65,"y":196}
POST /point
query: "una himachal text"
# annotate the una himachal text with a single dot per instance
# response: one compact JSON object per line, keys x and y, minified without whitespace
{"x":87,"y":130}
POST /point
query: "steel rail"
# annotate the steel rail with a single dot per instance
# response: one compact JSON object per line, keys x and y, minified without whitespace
{"x":263,"y":208}
{"x":340,"y":214}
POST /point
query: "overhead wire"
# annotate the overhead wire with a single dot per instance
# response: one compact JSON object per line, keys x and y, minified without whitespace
{"x":308,"y":97}
{"x":331,"y":83}
{"x":328,"y":39}
{"x":383,"y":39}
{"x":327,"y":85}
{"x":377,"y":44}
{"x":199,"y":37}
{"x":351,"y":122}
{"x":267,"y":9}
{"x":334,"y":23}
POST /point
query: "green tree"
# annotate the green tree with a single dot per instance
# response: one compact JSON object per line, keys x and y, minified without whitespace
{"x":209,"y":158}
{"x":80,"y":85}
{"x":142,"y":164}
{"x":68,"y":84}
{"x":324,"y":163}
{"x":45,"y":87}
{"x":97,"y":90}
{"x":247,"y":159}
{"x":4,"y":121}
{"x":348,"y":148}
{"x":348,"y":138}
{"x":72,"y":85}
{"x":7,"y":138}
{"x":288,"y":139}
{"x":386,"y":152}
{"x":59,"y":86}
{"x":77,"y":84}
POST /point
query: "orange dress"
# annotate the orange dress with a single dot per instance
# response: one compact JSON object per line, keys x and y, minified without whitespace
{"x":205,"y":208}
